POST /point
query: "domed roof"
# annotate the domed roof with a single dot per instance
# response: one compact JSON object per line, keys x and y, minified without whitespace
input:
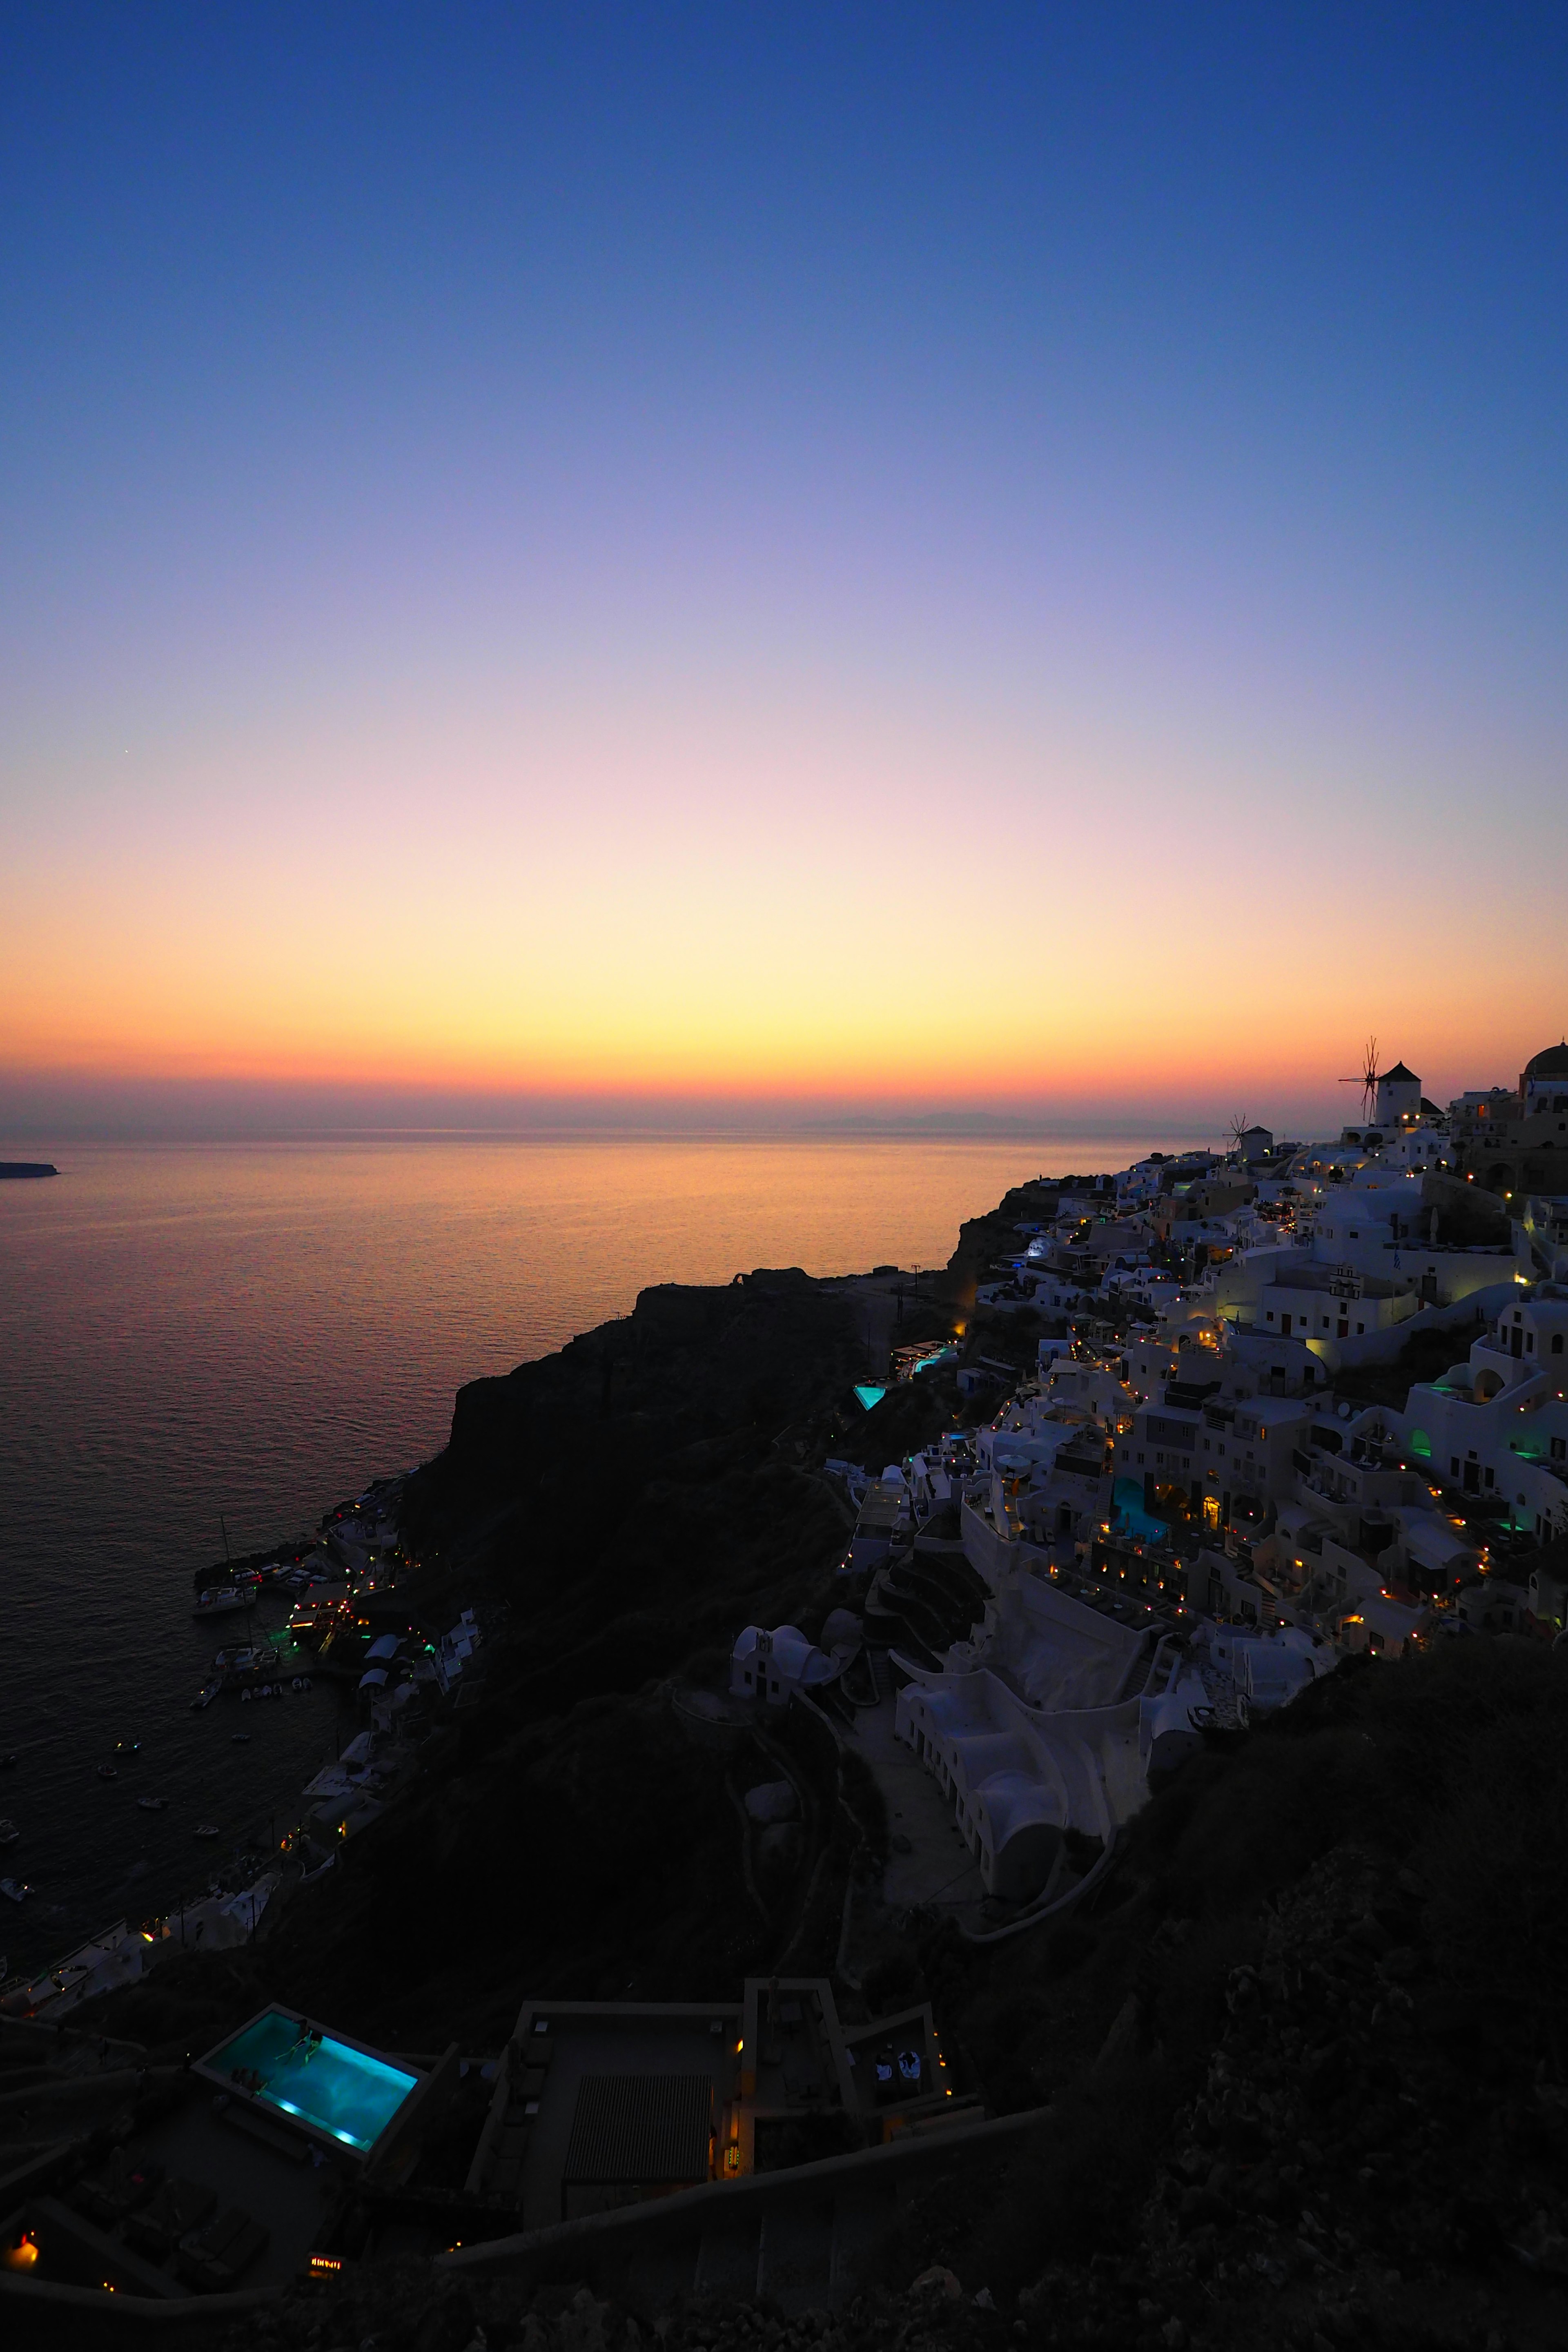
{"x":1553,"y":1062}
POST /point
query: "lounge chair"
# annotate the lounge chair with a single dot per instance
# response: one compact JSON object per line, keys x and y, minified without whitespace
{"x":218,"y":2255}
{"x":122,"y":2185}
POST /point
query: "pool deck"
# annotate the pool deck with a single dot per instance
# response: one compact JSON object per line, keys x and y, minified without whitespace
{"x":293,"y":2201}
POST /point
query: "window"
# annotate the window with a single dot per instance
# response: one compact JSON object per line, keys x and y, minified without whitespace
{"x":1557,"y":1343}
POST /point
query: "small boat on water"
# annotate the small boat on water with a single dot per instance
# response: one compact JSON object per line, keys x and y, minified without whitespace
{"x":224,"y":1599}
{"x":127,"y":1747}
{"x":108,"y":1772}
{"x":239,"y":1740}
{"x":9,"y":1832}
{"x":6,"y":1761}
{"x":14,"y":1890}
{"x":207,"y":1694}
{"x":207,"y":1830}
{"x":153,"y":1804}
{"x":240,"y":1659}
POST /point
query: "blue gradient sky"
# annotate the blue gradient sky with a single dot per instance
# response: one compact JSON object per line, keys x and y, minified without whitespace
{"x":780,"y":556}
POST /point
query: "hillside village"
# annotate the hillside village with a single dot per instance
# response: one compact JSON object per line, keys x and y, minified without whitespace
{"x":1189,"y":1509}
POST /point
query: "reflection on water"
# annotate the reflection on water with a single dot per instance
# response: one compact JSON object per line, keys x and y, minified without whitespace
{"x":257,"y":1331}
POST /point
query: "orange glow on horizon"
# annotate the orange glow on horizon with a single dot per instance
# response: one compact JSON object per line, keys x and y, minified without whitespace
{"x":888,"y":906}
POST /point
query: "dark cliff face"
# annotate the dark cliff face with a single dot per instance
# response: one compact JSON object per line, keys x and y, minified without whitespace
{"x":626,"y":1498}
{"x":687,"y":1365}
{"x":619,"y":1511}
{"x":621,"y":1457}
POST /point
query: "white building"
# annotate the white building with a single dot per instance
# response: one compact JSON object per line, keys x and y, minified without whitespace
{"x":774,"y":1665}
{"x":1398,"y":1097}
{"x":1543,"y":1082}
{"x":1032,"y":1728}
{"x":1499,"y":1424}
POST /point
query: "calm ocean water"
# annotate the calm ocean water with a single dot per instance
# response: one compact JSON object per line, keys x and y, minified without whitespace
{"x":257,"y":1331}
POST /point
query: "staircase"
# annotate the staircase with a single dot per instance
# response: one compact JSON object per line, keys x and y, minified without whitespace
{"x":921,"y":1606}
{"x":812,"y":2256}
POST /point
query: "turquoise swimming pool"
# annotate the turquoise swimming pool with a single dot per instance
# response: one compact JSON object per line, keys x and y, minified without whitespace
{"x":1129,"y":1517}
{"x":308,"y":2073}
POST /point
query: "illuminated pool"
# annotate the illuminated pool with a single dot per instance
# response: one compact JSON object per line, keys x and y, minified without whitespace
{"x":1129,"y":1515}
{"x":284,"y":2062}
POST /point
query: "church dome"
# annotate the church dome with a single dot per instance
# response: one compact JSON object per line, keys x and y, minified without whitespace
{"x":1553,"y":1062}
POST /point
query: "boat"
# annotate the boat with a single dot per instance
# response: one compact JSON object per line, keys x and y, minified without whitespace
{"x":127,"y":1747}
{"x":222,"y":1601}
{"x":108,"y":1772}
{"x":6,"y":1761}
{"x":207,"y":1694}
{"x":153,"y":1804}
{"x":14,"y":1890}
{"x":207,"y":1830}
{"x":9,"y":1832}
{"x":239,"y":1740}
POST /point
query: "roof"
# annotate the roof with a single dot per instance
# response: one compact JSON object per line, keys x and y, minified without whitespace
{"x":797,"y":1657}
{"x":1551,"y":1062}
{"x":635,"y":2129}
{"x":1398,"y":1076}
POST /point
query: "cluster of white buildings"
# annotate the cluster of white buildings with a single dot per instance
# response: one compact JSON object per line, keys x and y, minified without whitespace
{"x":1176,"y":1521}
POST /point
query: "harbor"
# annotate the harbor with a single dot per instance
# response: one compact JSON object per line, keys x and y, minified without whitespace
{"x":320,"y":1639}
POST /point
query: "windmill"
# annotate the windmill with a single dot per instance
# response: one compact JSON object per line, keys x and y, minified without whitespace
{"x":1239,"y":1126}
{"x":1367,"y":1080}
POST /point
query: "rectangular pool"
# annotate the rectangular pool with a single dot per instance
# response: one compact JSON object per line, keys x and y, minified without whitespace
{"x":288,"y":2063}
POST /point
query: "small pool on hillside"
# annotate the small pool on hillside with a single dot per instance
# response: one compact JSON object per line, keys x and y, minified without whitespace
{"x":334,"y":2088}
{"x":1129,"y":1515}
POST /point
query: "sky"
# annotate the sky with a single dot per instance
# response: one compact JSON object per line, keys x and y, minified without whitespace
{"x":767,"y":561}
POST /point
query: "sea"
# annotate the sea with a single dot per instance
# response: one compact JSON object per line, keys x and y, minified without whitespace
{"x":211,"y":1344}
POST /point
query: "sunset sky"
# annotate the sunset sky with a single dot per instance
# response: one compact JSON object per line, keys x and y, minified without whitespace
{"x":767,"y":559}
